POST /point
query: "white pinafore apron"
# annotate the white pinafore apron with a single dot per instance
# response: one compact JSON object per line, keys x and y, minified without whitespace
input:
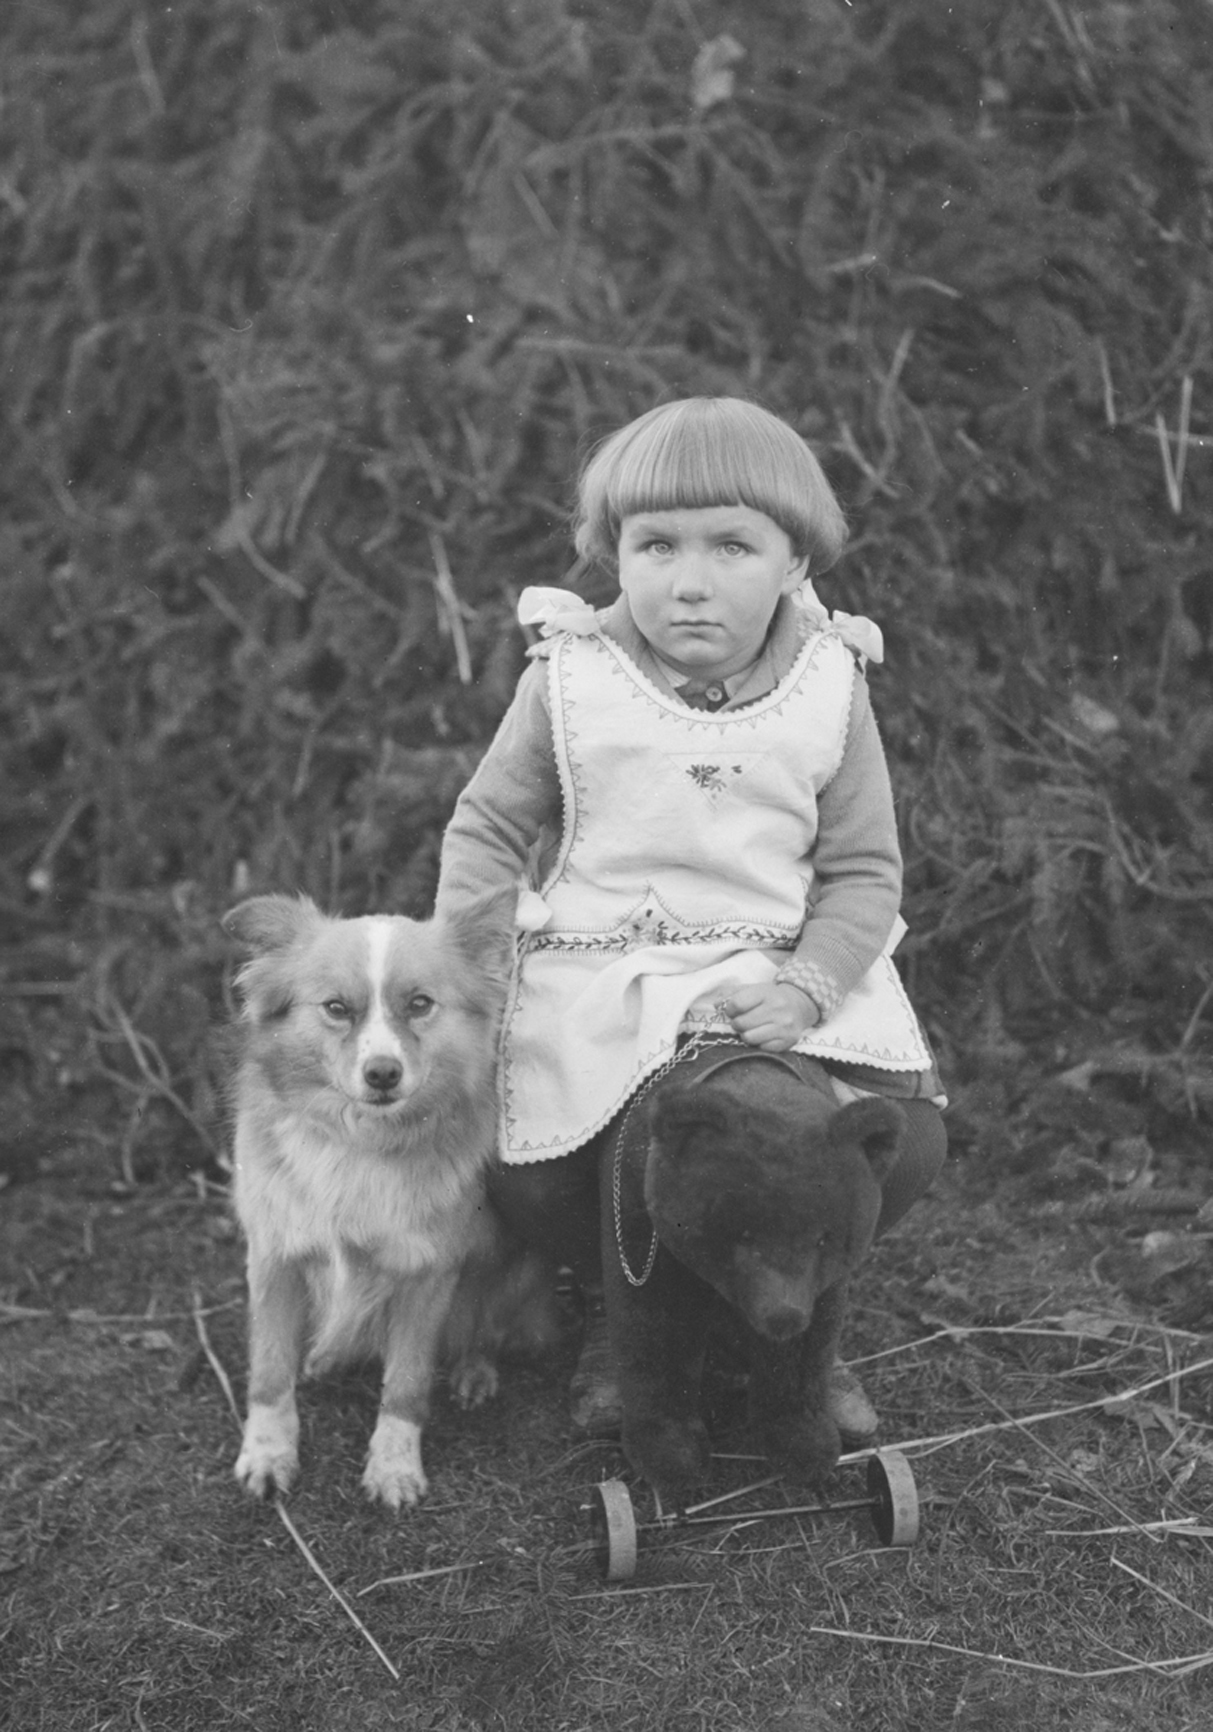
{"x":684,"y":872}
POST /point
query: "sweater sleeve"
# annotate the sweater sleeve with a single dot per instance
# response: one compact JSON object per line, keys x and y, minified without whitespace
{"x":857,"y":862}
{"x":511,"y":800}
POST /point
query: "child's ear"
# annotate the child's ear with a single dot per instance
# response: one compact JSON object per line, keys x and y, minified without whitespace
{"x":795,"y":576}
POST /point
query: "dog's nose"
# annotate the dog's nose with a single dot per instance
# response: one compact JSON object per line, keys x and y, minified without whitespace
{"x":382,"y":1073}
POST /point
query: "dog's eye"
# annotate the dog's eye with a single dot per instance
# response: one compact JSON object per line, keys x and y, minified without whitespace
{"x":420,"y":1004}
{"x":336,"y":1009}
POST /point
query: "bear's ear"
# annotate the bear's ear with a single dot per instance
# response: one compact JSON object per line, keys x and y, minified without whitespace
{"x":877,"y":1125}
{"x":267,"y":923}
{"x":677,"y":1116}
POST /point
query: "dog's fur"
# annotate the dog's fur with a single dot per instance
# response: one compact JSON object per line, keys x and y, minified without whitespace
{"x":364,"y":1119}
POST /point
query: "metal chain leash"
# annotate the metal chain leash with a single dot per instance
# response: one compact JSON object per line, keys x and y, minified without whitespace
{"x":692,"y":1049}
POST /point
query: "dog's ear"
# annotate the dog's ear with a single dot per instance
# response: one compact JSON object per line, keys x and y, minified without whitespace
{"x":877,"y":1125}
{"x":267,"y":923}
{"x":484,"y":931}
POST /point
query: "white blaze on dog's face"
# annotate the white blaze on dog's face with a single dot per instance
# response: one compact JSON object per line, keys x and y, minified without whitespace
{"x":372,"y":998}
{"x":371,"y":1010}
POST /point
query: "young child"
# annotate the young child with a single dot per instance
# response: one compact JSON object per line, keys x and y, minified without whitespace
{"x":691,"y":784}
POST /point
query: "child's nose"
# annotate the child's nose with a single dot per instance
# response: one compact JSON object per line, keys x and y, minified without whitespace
{"x":692,"y":578}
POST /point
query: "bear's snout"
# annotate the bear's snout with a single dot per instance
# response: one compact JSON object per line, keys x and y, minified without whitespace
{"x":784,"y":1323}
{"x":777,"y":1304}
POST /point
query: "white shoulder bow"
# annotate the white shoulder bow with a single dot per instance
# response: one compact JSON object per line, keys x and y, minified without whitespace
{"x":860,"y":634}
{"x":555,"y":610}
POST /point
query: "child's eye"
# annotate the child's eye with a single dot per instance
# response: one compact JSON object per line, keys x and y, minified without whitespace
{"x":337,"y":1010}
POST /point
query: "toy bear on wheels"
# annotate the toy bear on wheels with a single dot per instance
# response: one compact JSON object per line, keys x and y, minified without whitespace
{"x":748,"y":1194}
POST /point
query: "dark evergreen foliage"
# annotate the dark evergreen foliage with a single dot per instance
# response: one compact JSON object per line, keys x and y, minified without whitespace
{"x":309,"y":309}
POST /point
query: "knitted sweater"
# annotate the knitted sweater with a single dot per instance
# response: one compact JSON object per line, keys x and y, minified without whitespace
{"x":507,"y":821}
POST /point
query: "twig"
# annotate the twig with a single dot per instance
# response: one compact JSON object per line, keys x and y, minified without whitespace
{"x":156,"y":1079}
{"x":424,"y":1575}
{"x":1189,"y":1033}
{"x":1167,"y":1668}
{"x":961,"y":1332}
{"x":313,"y":1564}
{"x":1184,"y":1526}
{"x":451,"y":608}
{"x":942,"y":1439}
{"x":1109,"y":395}
{"x":1117,"y":1509}
{"x":213,"y":1360}
{"x":1173,"y":468}
{"x":1145,"y":1581}
{"x":248,"y":547}
{"x":30,"y":1314}
{"x":152,"y":87}
{"x":40,"y":877}
{"x":279,"y":1508}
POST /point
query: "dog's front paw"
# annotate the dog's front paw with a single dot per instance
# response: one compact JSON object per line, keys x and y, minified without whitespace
{"x":269,"y":1451}
{"x":394,"y":1474}
{"x":474,"y":1381}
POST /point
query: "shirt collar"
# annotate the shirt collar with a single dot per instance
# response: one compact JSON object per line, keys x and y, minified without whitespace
{"x":731,"y":683}
{"x":776,"y":657}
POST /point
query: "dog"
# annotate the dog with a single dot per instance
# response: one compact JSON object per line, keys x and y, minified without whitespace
{"x":364,"y":1119}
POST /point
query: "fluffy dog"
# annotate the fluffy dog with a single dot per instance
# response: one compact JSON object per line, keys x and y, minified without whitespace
{"x":364,"y":1121}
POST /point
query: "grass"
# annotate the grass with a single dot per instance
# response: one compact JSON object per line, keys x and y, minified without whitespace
{"x":1060,"y":1577}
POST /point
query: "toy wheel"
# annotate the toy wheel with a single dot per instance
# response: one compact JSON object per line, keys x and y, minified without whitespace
{"x":613,"y":1530}
{"x":894,"y":1498}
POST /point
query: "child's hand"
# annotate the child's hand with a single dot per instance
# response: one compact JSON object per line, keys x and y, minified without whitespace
{"x":771,"y":1018}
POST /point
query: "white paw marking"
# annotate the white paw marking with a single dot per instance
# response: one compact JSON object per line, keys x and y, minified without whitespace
{"x":394,"y":1474}
{"x":269,"y":1452}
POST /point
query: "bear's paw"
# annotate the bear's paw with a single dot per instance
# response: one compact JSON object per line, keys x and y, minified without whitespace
{"x":803,"y":1447}
{"x":671,"y":1454}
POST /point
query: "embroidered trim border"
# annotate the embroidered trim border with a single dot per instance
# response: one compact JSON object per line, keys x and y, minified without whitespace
{"x":643,"y":933}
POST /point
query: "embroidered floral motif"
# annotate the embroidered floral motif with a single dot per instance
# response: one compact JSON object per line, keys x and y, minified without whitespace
{"x":713,"y":778}
{"x":647,"y":927}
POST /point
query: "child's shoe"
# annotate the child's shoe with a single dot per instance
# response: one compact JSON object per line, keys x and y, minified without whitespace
{"x":850,"y":1408}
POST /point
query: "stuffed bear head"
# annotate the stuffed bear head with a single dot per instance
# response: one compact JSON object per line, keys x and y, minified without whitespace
{"x":769,"y":1200}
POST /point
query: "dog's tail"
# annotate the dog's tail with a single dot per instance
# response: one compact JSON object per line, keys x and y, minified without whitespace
{"x":349,"y":1303}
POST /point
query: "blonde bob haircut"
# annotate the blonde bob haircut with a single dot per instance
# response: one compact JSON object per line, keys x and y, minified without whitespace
{"x":705,"y":451}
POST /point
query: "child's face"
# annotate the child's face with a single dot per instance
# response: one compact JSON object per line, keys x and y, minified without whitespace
{"x":703,"y":583}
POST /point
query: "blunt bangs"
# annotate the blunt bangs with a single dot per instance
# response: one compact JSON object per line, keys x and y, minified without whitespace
{"x":707,"y":451}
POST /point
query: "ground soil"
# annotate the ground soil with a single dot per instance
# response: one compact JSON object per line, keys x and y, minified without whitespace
{"x":141,"y":1589}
